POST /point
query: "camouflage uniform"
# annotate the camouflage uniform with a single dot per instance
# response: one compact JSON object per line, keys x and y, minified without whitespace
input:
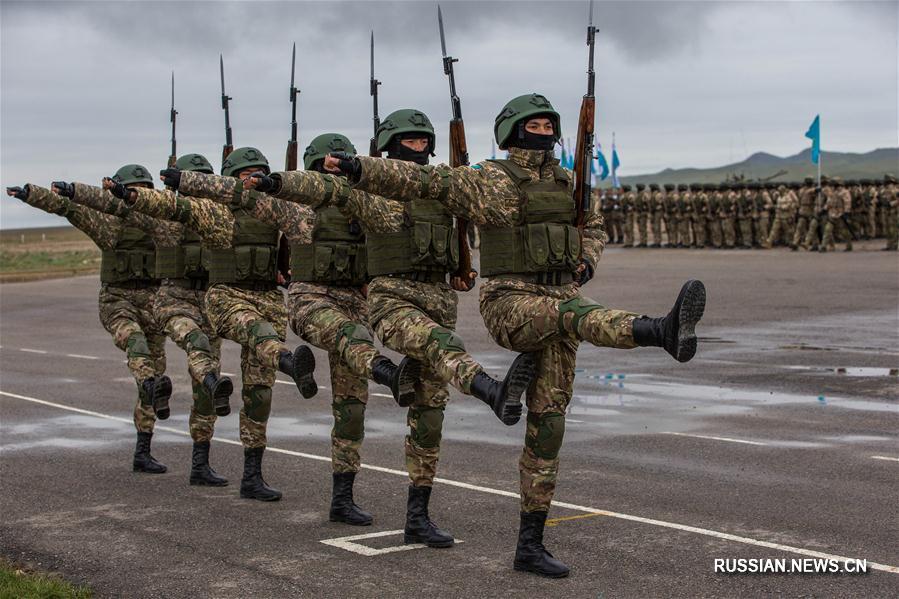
{"x":744,"y":216}
{"x":715,"y":233}
{"x":657,"y":207}
{"x":178,"y":309}
{"x":839,"y":207}
{"x":763,"y":210}
{"x":414,"y":318}
{"x":616,"y":217}
{"x":126,"y":311}
{"x":628,"y":208}
{"x":784,"y":217}
{"x":890,"y":198}
{"x":699,"y":216}
{"x":672,"y":224}
{"x":643,"y":206}
{"x":520,"y":314}
{"x":804,"y":215}
{"x":234,"y":313}
{"x":685,"y":217}
{"x":727,"y":214}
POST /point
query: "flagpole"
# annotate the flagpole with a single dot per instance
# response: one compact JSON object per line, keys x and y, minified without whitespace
{"x":820,"y":151}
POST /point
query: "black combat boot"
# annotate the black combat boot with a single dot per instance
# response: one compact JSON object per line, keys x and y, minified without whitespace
{"x":401,"y":379}
{"x":201,"y":473}
{"x":143,"y":461}
{"x":504,"y":397}
{"x":158,"y":390}
{"x":530,"y":554}
{"x":220,"y":389}
{"x":300,"y":366}
{"x":419,"y":528}
{"x":675,"y":332}
{"x":343,"y":509}
{"x":251,"y":485}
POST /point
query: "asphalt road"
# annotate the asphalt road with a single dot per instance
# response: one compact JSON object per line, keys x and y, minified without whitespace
{"x":761,"y":447}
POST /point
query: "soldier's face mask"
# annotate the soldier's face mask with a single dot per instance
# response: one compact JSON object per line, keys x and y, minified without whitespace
{"x":415,"y":149}
{"x":528,"y":140}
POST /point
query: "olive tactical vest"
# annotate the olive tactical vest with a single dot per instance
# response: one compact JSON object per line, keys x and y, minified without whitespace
{"x":427,"y":243}
{"x":253,"y":257}
{"x":336,"y":255}
{"x":184,"y":261}
{"x":132,"y":260}
{"x":545,"y":238}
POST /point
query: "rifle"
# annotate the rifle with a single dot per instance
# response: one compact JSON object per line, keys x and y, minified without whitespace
{"x":458,"y":155}
{"x":584,"y":153}
{"x":290,"y":161}
{"x":173,"y":115}
{"x":229,"y":146}
{"x":373,"y":90}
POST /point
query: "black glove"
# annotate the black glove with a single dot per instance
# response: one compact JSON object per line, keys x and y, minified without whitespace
{"x":20,"y":193}
{"x":349,"y":165}
{"x":171,"y":177}
{"x":266,"y":183}
{"x":64,"y":189}
{"x":585,"y":275}
{"x":120,"y":191}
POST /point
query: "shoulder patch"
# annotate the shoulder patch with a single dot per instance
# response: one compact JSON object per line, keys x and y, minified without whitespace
{"x":476,"y":166}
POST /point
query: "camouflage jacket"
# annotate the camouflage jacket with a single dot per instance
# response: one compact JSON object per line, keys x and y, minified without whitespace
{"x":212,"y":222}
{"x":165,"y":234}
{"x":658,"y":202}
{"x":644,"y":200}
{"x":295,"y":221}
{"x":483,"y":194}
{"x":806,"y":201}
{"x":787,"y":204}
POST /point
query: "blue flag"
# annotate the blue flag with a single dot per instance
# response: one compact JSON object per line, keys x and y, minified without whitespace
{"x":563,"y":160}
{"x":615,"y":164}
{"x":603,"y":165}
{"x":814,"y":134}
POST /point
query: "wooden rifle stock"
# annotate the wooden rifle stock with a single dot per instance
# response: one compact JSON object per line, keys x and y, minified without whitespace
{"x":583,"y":158}
{"x":290,"y":160}
{"x":459,"y":157}
{"x":373,"y":150}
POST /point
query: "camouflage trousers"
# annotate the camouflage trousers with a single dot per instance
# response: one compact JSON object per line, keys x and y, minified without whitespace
{"x":656,"y":228}
{"x":525,"y":317}
{"x":728,"y":232}
{"x":699,"y":228}
{"x":762,"y":228}
{"x":127,"y":314}
{"x":782,"y":229}
{"x":812,"y":238}
{"x":418,"y":320}
{"x":181,"y":312}
{"x":800,"y":231}
{"x":745,"y":231}
{"x":257,"y":321}
{"x":875,"y":230}
{"x":891,"y":227}
{"x":670,"y":234}
{"x":642,"y":219}
{"x":835,"y":228}
{"x":715,"y":234}
{"x":629,"y":220}
{"x":683,"y":231}
{"x":335,"y":319}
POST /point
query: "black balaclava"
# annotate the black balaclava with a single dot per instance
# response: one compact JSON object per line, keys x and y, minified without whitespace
{"x":397,"y":151}
{"x":526,"y":140}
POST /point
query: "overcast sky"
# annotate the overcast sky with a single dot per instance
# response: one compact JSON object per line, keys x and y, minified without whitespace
{"x":85,"y":85}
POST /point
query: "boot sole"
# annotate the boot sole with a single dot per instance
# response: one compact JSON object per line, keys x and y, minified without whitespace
{"x":145,"y":471}
{"x":520,"y":376}
{"x":410,"y":373}
{"x":162,"y":392}
{"x":691,"y":310}
{"x":303,"y":370}
{"x":410,"y":540}
{"x":526,"y":568}
{"x":221,"y":397}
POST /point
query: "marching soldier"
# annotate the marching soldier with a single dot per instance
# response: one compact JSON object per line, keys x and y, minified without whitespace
{"x":669,"y":215}
{"x":785,"y":211}
{"x":683,"y":209}
{"x":700,"y":215}
{"x":727,"y":215}
{"x":628,"y":209}
{"x":714,"y":215}
{"x":889,"y":197}
{"x":839,"y":208}
{"x":657,"y":213}
{"x":642,"y":205}
{"x":744,"y":215}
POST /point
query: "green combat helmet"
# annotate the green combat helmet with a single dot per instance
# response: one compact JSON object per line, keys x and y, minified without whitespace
{"x":244,"y":158}
{"x":407,"y":120}
{"x":809,"y":181}
{"x":654,"y":186}
{"x":519,"y":109}
{"x":194,"y":162}
{"x":641,"y":186}
{"x":682,"y":187}
{"x":625,"y":187}
{"x":669,"y":187}
{"x":323,"y":145}
{"x":132,"y":173}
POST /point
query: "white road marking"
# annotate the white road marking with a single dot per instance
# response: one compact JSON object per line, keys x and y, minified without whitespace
{"x":347,"y":544}
{"x":453,"y":483}
{"x":728,"y":439}
{"x":32,"y":351}
{"x":883,"y":457}
{"x":277,"y":381}
{"x":387,"y":395}
{"x":83,"y":357}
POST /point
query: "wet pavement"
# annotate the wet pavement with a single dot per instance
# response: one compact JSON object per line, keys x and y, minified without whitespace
{"x":783,"y":430}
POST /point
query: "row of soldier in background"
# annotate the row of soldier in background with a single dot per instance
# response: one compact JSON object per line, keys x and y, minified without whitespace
{"x":745,"y":215}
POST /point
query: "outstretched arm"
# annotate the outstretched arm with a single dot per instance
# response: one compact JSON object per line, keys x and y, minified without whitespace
{"x":212,"y":221}
{"x":103,"y":229}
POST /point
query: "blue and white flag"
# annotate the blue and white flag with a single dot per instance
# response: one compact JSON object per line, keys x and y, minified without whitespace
{"x":814,"y":134}
{"x":615,"y":164}
{"x":601,"y":161}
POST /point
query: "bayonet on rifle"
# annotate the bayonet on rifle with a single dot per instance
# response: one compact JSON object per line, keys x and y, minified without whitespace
{"x":291,"y":159}
{"x":373,"y":90}
{"x":229,"y":145}
{"x":585,"y":127}
{"x":173,"y":115}
{"x":458,"y":154}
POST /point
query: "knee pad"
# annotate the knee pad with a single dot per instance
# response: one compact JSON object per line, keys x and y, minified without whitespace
{"x":260,"y":331}
{"x":202,"y":400}
{"x":136,"y":346}
{"x":355,"y":334}
{"x":349,"y":419}
{"x":545,"y":433}
{"x":257,"y":402}
{"x":578,"y":307}
{"x":198,"y":341}
{"x":446,"y":339}
{"x":427,"y":426}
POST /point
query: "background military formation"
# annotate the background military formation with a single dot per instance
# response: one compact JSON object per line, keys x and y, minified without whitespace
{"x":745,"y":215}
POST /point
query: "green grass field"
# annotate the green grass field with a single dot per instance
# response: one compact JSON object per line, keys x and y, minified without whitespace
{"x":50,"y":252}
{"x":16,"y":583}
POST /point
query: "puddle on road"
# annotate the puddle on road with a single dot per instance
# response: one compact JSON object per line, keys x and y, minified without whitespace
{"x":862,"y":371}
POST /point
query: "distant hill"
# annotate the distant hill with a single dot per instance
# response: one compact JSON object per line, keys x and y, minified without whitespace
{"x":762,"y":165}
